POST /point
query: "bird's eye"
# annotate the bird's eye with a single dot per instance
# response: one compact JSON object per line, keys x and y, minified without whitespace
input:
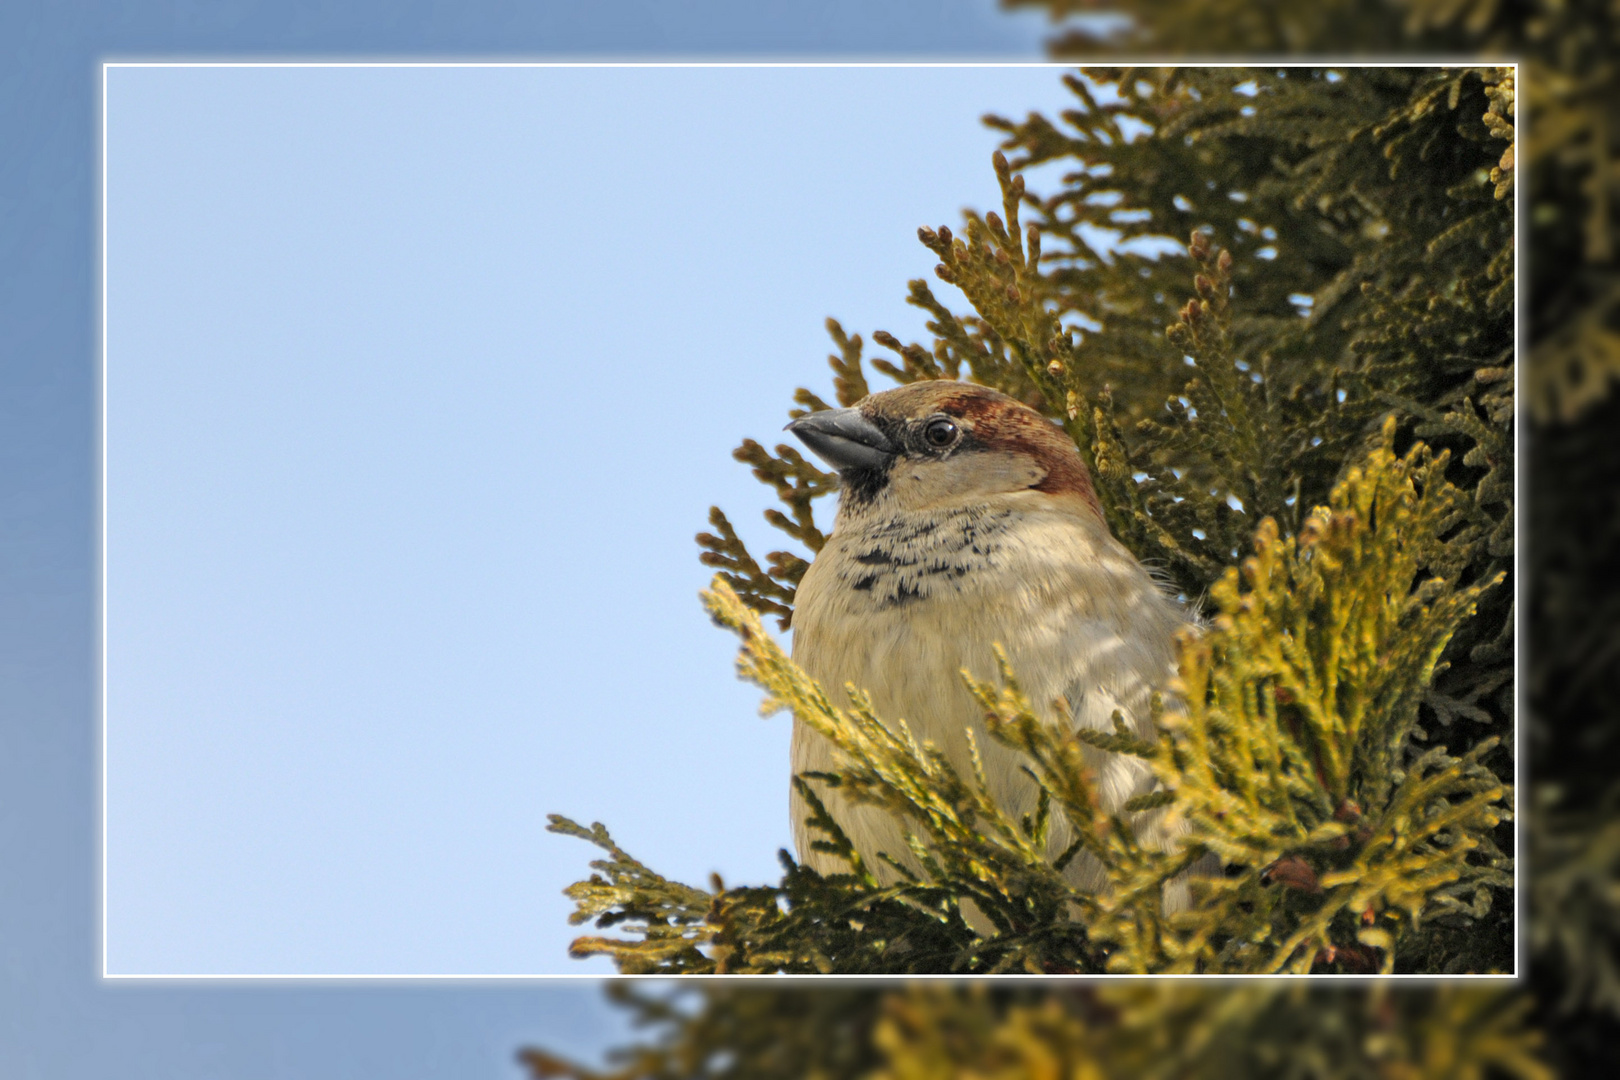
{"x":939,"y":433}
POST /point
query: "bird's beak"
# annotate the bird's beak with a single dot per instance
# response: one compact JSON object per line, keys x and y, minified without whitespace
{"x":844,"y":439}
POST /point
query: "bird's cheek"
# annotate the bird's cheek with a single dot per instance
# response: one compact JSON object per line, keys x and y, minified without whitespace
{"x":919,"y":483}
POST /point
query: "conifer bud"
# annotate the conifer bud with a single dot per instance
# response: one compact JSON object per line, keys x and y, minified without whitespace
{"x":1073,"y":404}
{"x":927,"y":235}
{"x":993,"y":220}
{"x":1311,"y":532}
{"x":1198,"y":246}
{"x":1018,"y":183}
{"x":1205,"y":287}
{"x":886,"y":339}
{"x":943,"y":272}
{"x":1001,"y":257}
{"x":1013,"y":294}
{"x":1224,"y":263}
{"x":1000,"y":161}
{"x":945,"y":234}
{"x":1055,"y":368}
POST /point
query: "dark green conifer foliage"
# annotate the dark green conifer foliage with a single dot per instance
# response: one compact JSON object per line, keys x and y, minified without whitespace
{"x":1333,"y":394}
{"x":1570,"y":52}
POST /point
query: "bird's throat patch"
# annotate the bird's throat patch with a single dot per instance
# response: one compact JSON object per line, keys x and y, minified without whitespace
{"x":902,"y":558}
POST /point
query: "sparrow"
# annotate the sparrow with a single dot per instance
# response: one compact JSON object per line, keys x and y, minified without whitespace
{"x":965,"y":520}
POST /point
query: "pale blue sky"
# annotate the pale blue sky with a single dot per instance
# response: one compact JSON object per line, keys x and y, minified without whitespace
{"x":419,"y":383}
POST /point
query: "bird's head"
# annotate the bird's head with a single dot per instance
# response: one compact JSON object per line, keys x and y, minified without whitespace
{"x":945,"y":443}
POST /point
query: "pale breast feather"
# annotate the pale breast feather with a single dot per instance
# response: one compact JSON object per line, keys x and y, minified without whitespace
{"x":912,"y":603}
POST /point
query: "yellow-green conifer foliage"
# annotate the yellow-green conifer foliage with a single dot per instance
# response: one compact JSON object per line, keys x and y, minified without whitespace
{"x":1111,"y":1031}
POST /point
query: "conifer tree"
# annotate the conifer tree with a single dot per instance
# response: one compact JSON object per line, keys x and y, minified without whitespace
{"x":1569,"y":52}
{"x":1320,"y":442}
{"x":1572,"y":84}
